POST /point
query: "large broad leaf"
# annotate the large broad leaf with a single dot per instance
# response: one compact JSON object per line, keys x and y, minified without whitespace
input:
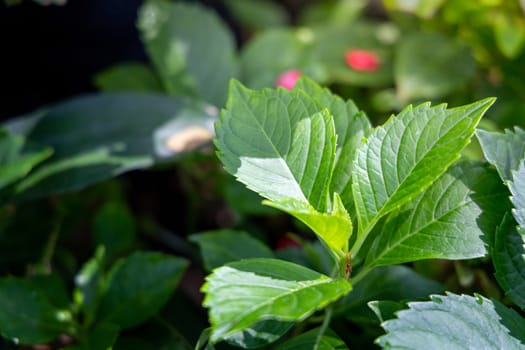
{"x":503,"y":150}
{"x":393,"y":283}
{"x":453,"y":219}
{"x":351,"y":125}
{"x":282,"y":145}
{"x":224,"y":246}
{"x":242,"y":293}
{"x":430,"y":65}
{"x":28,"y":315}
{"x":138,"y":287}
{"x":130,"y":76}
{"x":313,"y":340}
{"x":279,"y":143}
{"x":191,"y":48}
{"x":509,"y":260}
{"x":405,"y":155}
{"x":455,"y":322}
{"x":15,"y":162}
{"x":100,"y":136}
{"x":258,"y":14}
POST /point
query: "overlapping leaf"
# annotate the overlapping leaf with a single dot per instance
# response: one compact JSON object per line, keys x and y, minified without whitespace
{"x":245,"y":292}
{"x":455,"y":322}
{"x":405,"y":155}
{"x":503,"y":150}
{"x":509,"y":260}
{"x":453,"y":219}
{"x":187,"y":44}
{"x":313,"y":340}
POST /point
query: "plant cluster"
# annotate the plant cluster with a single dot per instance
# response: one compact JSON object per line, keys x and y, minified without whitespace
{"x":400,"y":232}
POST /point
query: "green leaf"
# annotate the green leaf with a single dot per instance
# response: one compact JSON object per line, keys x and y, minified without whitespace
{"x":510,"y":34}
{"x":334,"y":228}
{"x":245,"y":292}
{"x":89,"y":285}
{"x":517,"y":189}
{"x":130,"y":76}
{"x":258,"y":14}
{"x":191,"y":48}
{"x":421,"y":8}
{"x":309,"y":340}
{"x":97,"y":137}
{"x":15,"y":162}
{"x":405,"y":155}
{"x":455,"y":322}
{"x":503,"y":150}
{"x":453,"y":219}
{"x":509,"y":260}
{"x":430,"y":65}
{"x":28,"y":315}
{"x":114,"y":228}
{"x":138,"y":287}
{"x":280,"y":143}
{"x":385,"y":309}
{"x":102,"y":337}
{"x":393,"y":283}
{"x":260,"y":334}
{"x":224,"y":246}
{"x":351,"y":126}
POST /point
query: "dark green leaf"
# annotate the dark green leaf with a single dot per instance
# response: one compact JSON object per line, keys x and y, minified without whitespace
{"x":224,"y":246}
{"x":311,"y":340}
{"x":114,"y":228}
{"x":100,"y":136}
{"x":509,"y":260}
{"x":138,"y":287}
{"x":393,"y":283}
{"x":242,"y":293}
{"x":15,"y":162}
{"x":101,"y":337}
{"x":455,"y":322}
{"x":128,"y":77}
{"x":405,"y":155}
{"x":260,"y":334}
{"x":27,"y":315}
{"x":517,"y":189}
{"x":503,"y":150}
{"x":385,"y":309}
{"x":430,"y":65}
{"x":455,"y":218}
{"x":191,"y":47}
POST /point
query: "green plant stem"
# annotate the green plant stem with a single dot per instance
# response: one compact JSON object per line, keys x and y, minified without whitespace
{"x":328,"y":317}
{"x":360,"y":275}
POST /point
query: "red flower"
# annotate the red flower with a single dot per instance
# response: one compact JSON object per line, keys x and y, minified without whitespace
{"x":362,"y":60}
{"x":287,"y":79}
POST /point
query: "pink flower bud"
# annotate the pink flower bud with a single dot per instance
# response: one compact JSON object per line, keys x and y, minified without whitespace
{"x":362,"y":60}
{"x":287,"y":79}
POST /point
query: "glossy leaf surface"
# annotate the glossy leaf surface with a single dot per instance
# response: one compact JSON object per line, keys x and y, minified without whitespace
{"x":245,"y":292}
{"x":406,"y":154}
{"x":453,"y":219}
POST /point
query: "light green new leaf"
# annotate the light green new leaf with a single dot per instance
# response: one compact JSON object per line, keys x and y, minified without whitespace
{"x":245,"y":292}
{"x":405,"y":155}
{"x":455,"y":322}
{"x":279,"y":143}
{"x":224,"y":246}
{"x":333,"y":228}
{"x":453,"y":219}
{"x":191,"y":47}
{"x":351,"y":126}
{"x":503,"y":150}
{"x":328,"y":341}
{"x":509,"y":260}
{"x":138,"y":286}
